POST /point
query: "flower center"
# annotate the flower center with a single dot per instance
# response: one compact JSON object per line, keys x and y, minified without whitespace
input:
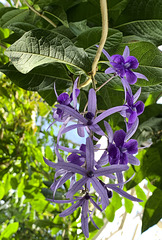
{"x":90,"y":174}
{"x":87,"y":197}
{"x":127,"y":65}
{"x":89,"y":116}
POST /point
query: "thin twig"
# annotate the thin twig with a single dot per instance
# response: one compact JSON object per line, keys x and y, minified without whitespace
{"x":104,"y":14}
{"x":40,"y":14}
{"x":104,"y":83}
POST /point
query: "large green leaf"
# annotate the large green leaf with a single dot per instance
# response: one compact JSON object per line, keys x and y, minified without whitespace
{"x":11,"y":15}
{"x":153,"y":210}
{"x":38,"y":47}
{"x":149,"y":30}
{"x":150,"y":166}
{"x":140,"y":10}
{"x":41,"y":78}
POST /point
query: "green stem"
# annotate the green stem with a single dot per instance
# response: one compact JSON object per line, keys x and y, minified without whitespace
{"x":104,"y":14}
{"x":40,"y":14}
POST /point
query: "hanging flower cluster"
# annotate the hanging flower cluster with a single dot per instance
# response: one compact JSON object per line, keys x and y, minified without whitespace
{"x":94,"y":186}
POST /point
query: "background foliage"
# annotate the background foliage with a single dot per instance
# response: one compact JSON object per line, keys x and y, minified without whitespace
{"x":38,"y":55}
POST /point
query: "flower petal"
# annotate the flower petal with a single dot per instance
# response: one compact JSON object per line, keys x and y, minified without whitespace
{"x":131,"y":146}
{"x":132,"y":118}
{"x":71,"y":209}
{"x":132,"y":61}
{"x":137,"y":94}
{"x":92,"y":101}
{"x":125,"y":194}
{"x":119,"y":137}
{"x":76,"y":187}
{"x":108,"y":113}
{"x":126,"y":52}
{"x":105,"y":53}
{"x":139,"y":107}
{"x":96,"y":129}
{"x":75,"y":93}
{"x":110,"y":169}
{"x":140,"y":75}
{"x":101,"y":191}
{"x":89,"y":154}
{"x":133,"y":160}
{"x":109,"y":70}
{"x":72,"y":112}
{"x":109,"y":131}
{"x":131,"y":77}
{"x":132,"y":130}
{"x":84,"y":224}
{"x":66,"y":166}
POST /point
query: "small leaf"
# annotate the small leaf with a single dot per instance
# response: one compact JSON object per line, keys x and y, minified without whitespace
{"x":128,"y":205}
{"x":9,"y":230}
{"x":110,"y":212}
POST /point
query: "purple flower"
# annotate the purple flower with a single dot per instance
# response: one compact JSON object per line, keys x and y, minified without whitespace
{"x":122,"y":65}
{"x":134,"y":108}
{"x":90,"y":174}
{"x":64,"y":99}
{"x":120,"y":149}
{"x":78,"y":158}
{"x":82,"y":202}
{"x":89,"y":121}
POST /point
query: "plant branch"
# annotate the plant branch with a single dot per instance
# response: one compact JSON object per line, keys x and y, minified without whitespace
{"x":40,"y":14}
{"x":104,"y":14}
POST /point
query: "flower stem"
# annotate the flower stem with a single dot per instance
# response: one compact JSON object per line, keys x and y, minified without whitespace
{"x":104,"y":83}
{"x":104,"y":14}
{"x":40,"y":14}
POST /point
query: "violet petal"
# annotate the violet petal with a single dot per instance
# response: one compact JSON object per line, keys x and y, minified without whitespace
{"x":133,"y":160}
{"x":131,"y":77}
{"x":110,"y":169}
{"x":139,"y":75}
{"x":89,"y":154}
{"x":92,"y":101}
{"x":126,"y":52}
{"x":119,"y":137}
{"x":108,"y":113}
{"x":131,"y":146}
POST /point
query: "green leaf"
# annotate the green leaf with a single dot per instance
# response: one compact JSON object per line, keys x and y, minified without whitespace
{"x":150,"y":166}
{"x":46,"y":224}
{"x":110,"y":212}
{"x":9,"y":230}
{"x":91,"y":37}
{"x":13,"y":15}
{"x":153,"y":210}
{"x":148,"y":30}
{"x":57,"y":12}
{"x":19,"y":28}
{"x":141,"y":195}
{"x":78,"y":27}
{"x":41,"y":78}
{"x":140,"y":10}
{"x":86,"y":10}
{"x":38,"y":47}
{"x":128,"y":205}
{"x":2,"y":191}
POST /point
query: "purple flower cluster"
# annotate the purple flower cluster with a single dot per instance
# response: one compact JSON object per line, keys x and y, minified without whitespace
{"x":93,"y":186}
